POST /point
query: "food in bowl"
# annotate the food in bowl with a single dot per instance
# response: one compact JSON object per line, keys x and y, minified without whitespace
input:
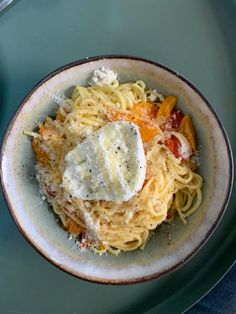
{"x":116,"y":161}
{"x":173,"y":243}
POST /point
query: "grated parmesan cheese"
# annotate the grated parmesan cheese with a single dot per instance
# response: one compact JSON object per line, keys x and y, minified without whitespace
{"x":103,"y":76}
{"x":70,"y":237}
{"x":154,"y":95}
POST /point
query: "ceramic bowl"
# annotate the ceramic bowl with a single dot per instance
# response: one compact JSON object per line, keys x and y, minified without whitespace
{"x":172,"y":244}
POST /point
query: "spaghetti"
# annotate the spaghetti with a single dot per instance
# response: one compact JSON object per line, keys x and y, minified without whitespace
{"x":171,"y":184}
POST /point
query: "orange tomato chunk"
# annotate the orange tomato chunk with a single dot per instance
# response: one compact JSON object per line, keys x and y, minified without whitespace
{"x":147,"y":130}
{"x":145,"y":109}
{"x":166,"y":107}
{"x":143,"y":115}
{"x":41,"y":156}
{"x":74,"y":228}
{"x":60,"y":117}
{"x":187,"y":128}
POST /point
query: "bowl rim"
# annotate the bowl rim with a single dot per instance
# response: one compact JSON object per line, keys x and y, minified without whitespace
{"x":99,"y":279}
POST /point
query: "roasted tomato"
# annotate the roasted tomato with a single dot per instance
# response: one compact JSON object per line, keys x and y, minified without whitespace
{"x":173,"y":122}
{"x":143,"y":115}
{"x":174,"y":145}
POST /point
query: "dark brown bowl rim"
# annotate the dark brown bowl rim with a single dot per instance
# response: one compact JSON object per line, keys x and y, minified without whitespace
{"x":137,"y":279}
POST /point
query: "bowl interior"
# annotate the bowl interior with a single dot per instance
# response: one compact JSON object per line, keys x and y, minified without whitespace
{"x":171,"y":244}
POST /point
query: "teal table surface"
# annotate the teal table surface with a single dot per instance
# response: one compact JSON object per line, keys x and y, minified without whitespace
{"x":197,"y":39}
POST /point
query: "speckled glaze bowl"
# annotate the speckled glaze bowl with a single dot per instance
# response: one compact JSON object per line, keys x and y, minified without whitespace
{"x":173,"y":244}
